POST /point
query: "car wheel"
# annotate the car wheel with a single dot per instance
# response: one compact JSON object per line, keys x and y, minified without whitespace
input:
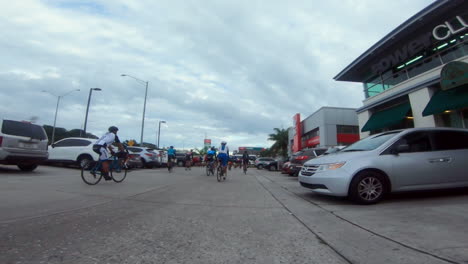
{"x":367,"y":188}
{"x":27,"y":167}
{"x":85,"y":161}
{"x":143,"y":163}
{"x":260,"y":166}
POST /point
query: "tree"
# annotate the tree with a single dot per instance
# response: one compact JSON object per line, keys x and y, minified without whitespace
{"x":280,"y":147}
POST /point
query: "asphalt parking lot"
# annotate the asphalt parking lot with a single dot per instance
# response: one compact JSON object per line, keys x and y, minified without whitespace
{"x":50,"y":216}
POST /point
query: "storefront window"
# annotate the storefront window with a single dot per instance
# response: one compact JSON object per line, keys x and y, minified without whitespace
{"x":424,"y":66}
{"x":454,"y":118}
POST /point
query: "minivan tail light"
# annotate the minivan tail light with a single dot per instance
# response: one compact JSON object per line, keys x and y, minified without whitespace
{"x":302,"y":157}
{"x":149,"y":154}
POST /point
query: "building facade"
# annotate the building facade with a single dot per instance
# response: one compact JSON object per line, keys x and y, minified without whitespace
{"x":417,"y":75}
{"x":327,"y":127}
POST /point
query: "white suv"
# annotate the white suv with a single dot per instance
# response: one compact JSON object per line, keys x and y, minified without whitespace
{"x":148,"y":157}
{"x":73,"y":151}
{"x":22,"y":144}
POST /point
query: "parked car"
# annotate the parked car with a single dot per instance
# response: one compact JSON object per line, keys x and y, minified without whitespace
{"x":148,"y":157}
{"x":395,"y":161}
{"x":180,"y":158}
{"x":162,"y":156}
{"x":261,"y":162}
{"x":134,"y":160}
{"x":299,"y":158}
{"x":332,"y":150}
{"x":271,"y":166}
{"x":286,"y":168}
{"x":73,"y":151}
{"x":22,"y":144}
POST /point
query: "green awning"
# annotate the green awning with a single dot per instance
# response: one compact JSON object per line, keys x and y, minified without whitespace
{"x":387,"y":117}
{"x":454,"y":98}
{"x":454,"y":74}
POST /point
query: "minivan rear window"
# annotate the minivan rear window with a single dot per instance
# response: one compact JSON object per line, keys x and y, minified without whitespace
{"x":23,"y":129}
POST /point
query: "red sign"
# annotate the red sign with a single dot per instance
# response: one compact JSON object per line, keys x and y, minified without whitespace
{"x":347,"y":138}
{"x":312,"y":142}
{"x":297,"y":132}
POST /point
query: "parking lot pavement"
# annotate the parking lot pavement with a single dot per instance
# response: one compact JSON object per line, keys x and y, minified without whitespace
{"x":152,"y":217}
{"x":429,"y":224}
{"x":50,"y":215}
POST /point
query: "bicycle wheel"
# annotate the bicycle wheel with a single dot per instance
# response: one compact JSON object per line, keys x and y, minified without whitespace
{"x":91,"y":176}
{"x":208,"y":170}
{"x":245,"y":169}
{"x":218,"y":174}
{"x":119,"y":174}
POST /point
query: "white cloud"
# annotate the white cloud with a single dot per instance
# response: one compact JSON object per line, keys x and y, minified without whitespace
{"x":232,"y":70}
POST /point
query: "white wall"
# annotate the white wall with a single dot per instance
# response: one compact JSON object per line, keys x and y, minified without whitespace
{"x":418,"y":100}
{"x":362,"y":118}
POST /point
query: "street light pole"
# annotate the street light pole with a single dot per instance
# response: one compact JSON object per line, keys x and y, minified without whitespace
{"x":143,"y":118}
{"x":159,"y":130}
{"x":87,"y":107}
{"x":144,"y":104}
{"x":55,"y":120}
{"x":56,"y":109}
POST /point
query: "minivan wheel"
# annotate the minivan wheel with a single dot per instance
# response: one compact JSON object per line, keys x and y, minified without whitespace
{"x":260,"y":166}
{"x":367,"y":188}
{"x":27,"y":167}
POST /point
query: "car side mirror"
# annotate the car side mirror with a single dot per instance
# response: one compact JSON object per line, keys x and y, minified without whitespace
{"x":402,"y":148}
{"x":53,"y":145}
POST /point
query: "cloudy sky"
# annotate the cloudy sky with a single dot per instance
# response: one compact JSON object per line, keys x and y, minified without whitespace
{"x":231,"y":70}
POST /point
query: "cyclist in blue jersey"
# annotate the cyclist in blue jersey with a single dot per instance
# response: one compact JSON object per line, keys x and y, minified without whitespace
{"x":223,"y":156}
{"x":171,"y":156}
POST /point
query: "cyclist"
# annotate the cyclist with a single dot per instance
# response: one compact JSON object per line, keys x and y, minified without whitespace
{"x":211,"y":157}
{"x":223,"y":156}
{"x":171,"y":156}
{"x":245,"y":159}
{"x":188,"y":159}
{"x":105,"y":143}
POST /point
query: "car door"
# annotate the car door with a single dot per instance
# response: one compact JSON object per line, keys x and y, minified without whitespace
{"x":415,"y":168}
{"x":59,"y":149}
{"x":451,"y":148}
{"x":78,"y":147}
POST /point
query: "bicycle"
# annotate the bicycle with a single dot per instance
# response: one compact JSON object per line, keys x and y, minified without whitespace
{"x":220,"y":173}
{"x":244,"y":166}
{"x":210,"y":168}
{"x":117,"y":171}
{"x":188,"y":165}
{"x":170,"y":165}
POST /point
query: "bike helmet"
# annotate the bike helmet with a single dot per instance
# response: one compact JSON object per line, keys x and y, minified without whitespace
{"x":113,"y":129}
{"x":223,"y":142}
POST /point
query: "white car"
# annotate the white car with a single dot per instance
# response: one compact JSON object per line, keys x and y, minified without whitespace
{"x":73,"y":151}
{"x":148,"y":157}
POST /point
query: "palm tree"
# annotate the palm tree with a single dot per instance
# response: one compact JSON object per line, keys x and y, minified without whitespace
{"x":280,"y":146}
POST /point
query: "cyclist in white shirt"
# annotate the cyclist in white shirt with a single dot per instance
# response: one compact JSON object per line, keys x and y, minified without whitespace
{"x":223,"y":156}
{"x":104,"y":144}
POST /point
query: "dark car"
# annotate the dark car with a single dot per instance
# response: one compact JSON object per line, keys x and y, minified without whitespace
{"x":260,"y":163}
{"x":271,"y":166}
{"x":299,"y":158}
{"x":180,"y":158}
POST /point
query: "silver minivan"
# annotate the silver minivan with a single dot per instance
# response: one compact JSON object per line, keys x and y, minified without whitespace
{"x":395,"y":161}
{"x":23,"y":144}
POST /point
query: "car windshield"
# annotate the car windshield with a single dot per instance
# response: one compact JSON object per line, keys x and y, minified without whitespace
{"x":370,"y":143}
